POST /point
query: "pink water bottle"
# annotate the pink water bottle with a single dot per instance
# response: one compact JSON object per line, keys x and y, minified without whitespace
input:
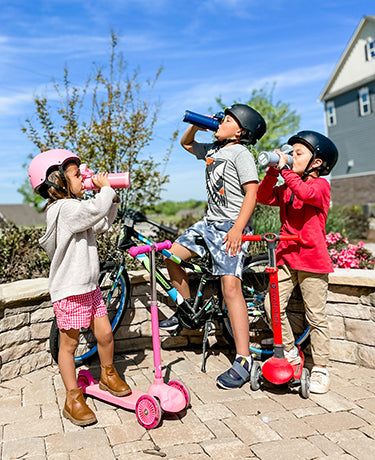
{"x":116,"y":180}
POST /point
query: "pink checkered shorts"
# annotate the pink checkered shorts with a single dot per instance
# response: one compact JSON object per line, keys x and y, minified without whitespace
{"x":77,"y":311}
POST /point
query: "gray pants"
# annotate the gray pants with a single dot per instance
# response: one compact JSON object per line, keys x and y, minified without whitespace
{"x":314,"y":288}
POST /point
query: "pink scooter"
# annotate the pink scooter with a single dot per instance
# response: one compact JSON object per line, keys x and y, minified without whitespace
{"x":277,"y":369}
{"x":172,"y":397}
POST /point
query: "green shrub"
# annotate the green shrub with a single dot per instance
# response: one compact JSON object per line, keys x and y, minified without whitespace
{"x":21,"y":256}
{"x":350,"y":221}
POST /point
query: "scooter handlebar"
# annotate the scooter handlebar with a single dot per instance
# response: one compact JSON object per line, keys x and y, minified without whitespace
{"x":134,"y":251}
{"x":269,"y":237}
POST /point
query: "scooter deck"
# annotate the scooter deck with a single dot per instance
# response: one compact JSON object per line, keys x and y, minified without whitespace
{"x":126,"y":402}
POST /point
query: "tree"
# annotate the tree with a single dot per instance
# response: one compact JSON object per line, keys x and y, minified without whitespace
{"x":109,"y":131}
{"x":281,"y":120}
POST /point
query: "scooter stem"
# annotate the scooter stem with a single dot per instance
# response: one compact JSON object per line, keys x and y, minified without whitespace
{"x":155,"y":319}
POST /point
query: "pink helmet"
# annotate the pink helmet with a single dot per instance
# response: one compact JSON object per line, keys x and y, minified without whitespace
{"x":45,"y":162}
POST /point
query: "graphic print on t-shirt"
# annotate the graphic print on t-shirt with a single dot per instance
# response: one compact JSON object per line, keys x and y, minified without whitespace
{"x":215,"y":170}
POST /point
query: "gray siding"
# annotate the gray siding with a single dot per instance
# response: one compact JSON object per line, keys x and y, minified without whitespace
{"x":352,"y":130}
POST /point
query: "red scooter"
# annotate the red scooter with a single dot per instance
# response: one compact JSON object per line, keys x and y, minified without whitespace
{"x":277,"y":369}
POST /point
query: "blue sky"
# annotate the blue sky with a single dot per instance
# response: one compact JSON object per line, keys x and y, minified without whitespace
{"x":207,"y":48}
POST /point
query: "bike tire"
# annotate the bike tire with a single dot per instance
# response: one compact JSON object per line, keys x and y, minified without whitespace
{"x":254,"y":287}
{"x":115,"y":289}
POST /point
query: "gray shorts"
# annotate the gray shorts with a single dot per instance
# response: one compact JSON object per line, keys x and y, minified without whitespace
{"x":213,"y":235}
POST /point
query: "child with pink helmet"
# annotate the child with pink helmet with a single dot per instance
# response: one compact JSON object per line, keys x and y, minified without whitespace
{"x":73,"y":280}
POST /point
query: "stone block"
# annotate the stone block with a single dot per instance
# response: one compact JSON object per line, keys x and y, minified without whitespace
{"x":343,"y":351}
{"x":42,"y":315}
{"x":360,"y":331}
{"x":336,"y":327}
{"x":9,"y":338}
{"x":23,"y":349}
{"x":9,"y":323}
{"x":40,"y":331}
{"x":25,"y":365}
{"x":366,"y":356}
{"x":349,"y":311}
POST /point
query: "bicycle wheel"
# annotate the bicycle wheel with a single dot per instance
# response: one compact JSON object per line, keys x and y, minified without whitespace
{"x":115,"y":289}
{"x":254,"y":288}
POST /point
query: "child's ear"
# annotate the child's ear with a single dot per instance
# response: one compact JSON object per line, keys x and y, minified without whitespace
{"x":317,"y":162}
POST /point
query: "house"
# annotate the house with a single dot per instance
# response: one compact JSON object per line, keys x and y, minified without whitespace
{"x":349,"y":100}
{"x":23,"y":215}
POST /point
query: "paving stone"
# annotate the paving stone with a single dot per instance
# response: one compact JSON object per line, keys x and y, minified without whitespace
{"x":227,"y":449}
{"x":315,"y":410}
{"x":121,"y":450}
{"x":364,"y":449}
{"x":129,"y":432}
{"x":93,"y":453}
{"x":70,"y":442}
{"x":251,"y":430}
{"x":295,"y":428}
{"x":333,"y":422}
{"x":211,"y":411}
{"x":286,"y":449}
{"x":368,"y":404}
{"x":333,"y":402}
{"x":23,"y":448}
{"x":260,"y":406}
{"x":187,"y":450}
{"x":328,"y":447}
{"x":37,"y":427}
{"x":219,"y":429}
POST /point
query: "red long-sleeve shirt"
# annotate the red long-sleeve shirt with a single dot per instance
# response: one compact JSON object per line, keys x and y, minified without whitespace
{"x":305,"y":214}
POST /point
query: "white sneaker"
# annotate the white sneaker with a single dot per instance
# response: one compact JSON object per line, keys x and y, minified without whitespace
{"x":319,"y":380}
{"x":293,"y":356}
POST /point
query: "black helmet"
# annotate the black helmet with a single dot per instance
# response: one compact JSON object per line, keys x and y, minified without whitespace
{"x":249,"y":120}
{"x":320,"y":146}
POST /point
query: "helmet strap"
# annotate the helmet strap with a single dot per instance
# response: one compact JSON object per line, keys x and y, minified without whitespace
{"x":308,"y":171}
{"x":56,"y":186}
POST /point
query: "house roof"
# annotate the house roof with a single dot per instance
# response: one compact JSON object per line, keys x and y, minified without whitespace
{"x":326,"y":93}
{"x":21,"y":214}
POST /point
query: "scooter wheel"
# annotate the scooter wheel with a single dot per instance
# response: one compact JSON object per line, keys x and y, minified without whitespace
{"x":184,"y":390}
{"x":148,"y":411}
{"x":85,"y":379}
{"x":305,"y":383}
{"x":255,"y":376}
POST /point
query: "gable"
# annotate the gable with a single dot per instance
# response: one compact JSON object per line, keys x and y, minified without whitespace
{"x":353,"y":69}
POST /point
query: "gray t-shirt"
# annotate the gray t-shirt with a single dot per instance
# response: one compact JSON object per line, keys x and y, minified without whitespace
{"x":227,"y":169}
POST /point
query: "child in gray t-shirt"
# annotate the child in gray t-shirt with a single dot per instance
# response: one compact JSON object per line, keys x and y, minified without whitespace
{"x":232,"y":184}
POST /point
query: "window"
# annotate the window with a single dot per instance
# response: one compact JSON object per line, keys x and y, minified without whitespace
{"x":370,"y":49}
{"x":364,"y":102}
{"x":331,"y":113}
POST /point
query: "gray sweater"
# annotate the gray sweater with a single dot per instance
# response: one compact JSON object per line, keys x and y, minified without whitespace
{"x":70,"y":242}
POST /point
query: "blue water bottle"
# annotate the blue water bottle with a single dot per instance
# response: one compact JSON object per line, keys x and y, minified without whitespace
{"x":203,"y":121}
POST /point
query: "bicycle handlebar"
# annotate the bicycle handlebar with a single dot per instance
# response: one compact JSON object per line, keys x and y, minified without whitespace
{"x":137,"y":216}
{"x":134,"y":251}
{"x":270,"y":237}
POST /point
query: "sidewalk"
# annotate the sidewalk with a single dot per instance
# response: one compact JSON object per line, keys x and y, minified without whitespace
{"x":237,"y":424}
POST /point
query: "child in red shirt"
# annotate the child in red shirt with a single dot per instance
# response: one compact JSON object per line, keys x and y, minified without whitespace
{"x":304,"y":200}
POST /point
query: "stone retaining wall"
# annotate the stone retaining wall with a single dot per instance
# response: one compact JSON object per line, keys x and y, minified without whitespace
{"x":26,"y":315}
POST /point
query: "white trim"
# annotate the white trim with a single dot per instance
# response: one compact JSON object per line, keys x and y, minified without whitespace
{"x":370,"y":49}
{"x":364,"y":101}
{"x":331,"y":113}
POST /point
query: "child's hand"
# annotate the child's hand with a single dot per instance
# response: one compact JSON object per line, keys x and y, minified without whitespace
{"x":283,"y":159}
{"x":234,"y":242}
{"x":101,"y":180}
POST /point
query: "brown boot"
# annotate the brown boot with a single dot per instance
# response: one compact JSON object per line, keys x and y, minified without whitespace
{"x":110,"y":381}
{"x":76,"y":409}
